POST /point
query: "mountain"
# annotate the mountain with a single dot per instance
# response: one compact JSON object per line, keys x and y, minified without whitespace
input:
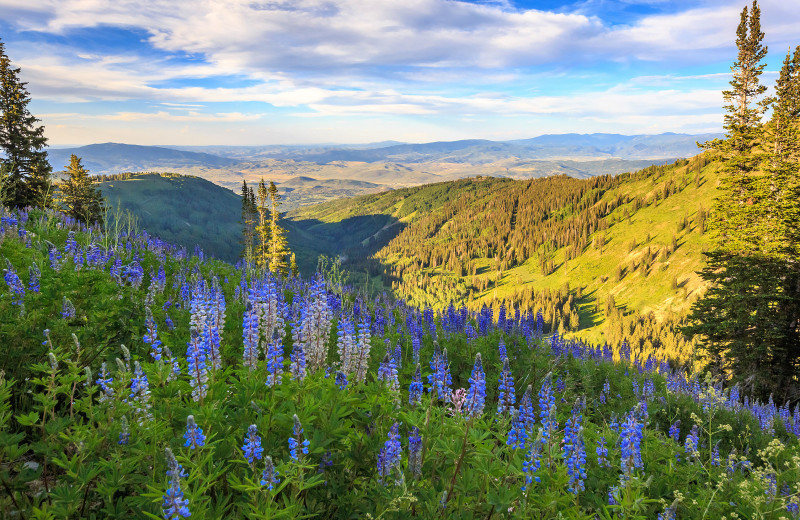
{"x":118,"y":158}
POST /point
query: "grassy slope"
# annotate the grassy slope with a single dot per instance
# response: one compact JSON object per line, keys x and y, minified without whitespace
{"x":181,"y":210}
{"x":591,"y":270}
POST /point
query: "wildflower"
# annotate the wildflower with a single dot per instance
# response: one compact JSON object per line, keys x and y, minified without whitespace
{"x":387,"y":372}
{"x":125,"y":433}
{"x":675,"y":430}
{"x":140,"y":393}
{"x":341,"y":380}
{"x":476,"y":395}
{"x":390,"y":454}
{"x":297,"y":441}
{"x":269,"y":477}
{"x":532,"y":464}
{"x":274,"y":362}
{"x":250,"y":334}
{"x":34,"y":278}
{"x":194,"y":434}
{"x":602,"y":453}
{"x":415,"y":388}
{"x":507,"y":397}
{"x":252,"y":445}
{"x":67,"y":309}
{"x":631,"y":444}
{"x":457,"y":400}
{"x":298,"y":364}
{"x":362,"y":357}
{"x":151,"y":335}
{"x":669,"y":512}
{"x":715,"y":458}
{"x":517,"y":434}
{"x":415,"y":453}
{"x":527,"y":415}
{"x":198,"y":370}
{"x":547,"y":408}
{"x":501,"y":347}
{"x":175,"y":506}
{"x":575,"y":452}
{"x":692,"y":443}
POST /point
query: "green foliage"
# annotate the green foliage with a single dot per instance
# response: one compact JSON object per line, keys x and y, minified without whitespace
{"x":78,"y":197}
{"x":26,"y":179}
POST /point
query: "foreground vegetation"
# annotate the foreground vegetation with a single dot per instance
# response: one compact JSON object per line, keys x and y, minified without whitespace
{"x":239,"y":395}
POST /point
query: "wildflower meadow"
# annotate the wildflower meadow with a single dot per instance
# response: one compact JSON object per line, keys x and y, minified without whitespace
{"x":144,"y":381}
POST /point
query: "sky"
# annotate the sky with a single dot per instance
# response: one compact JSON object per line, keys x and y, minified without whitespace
{"x":260,"y":72}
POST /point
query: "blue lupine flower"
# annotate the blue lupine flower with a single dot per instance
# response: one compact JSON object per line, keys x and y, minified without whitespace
{"x":675,"y":431}
{"x":517,"y":434}
{"x":415,"y":388}
{"x":67,"y":309}
{"x":602,"y":453}
{"x":547,"y":408}
{"x":298,"y":364}
{"x":175,"y":506}
{"x":34,"y":278}
{"x":527,"y":415}
{"x":605,"y":392}
{"x":613,"y":492}
{"x":390,"y":455}
{"x":252,"y":445}
{"x":532,"y":463}
{"x":140,"y":394}
{"x":364,"y":346}
{"x":297,"y":441}
{"x":476,"y":394}
{"x":507,"y":397}
{"x":631,"y":435}
{"x":151,"y":335}
{"x":341,"y":380}
{"x":415,"y":453}
{"x":501,"y":347}
{"x":387,"y":372}
{"x":105,"y":380}
{"x":194,"y":434}
{"x":668,"y":514}
{"x":692,"y":443}
{"x":198,"y":370}
{"x":715,"y":455}
{"x":125,"y":432}
{"x":269,"y":477}
{"x":575,"y":452}
{"x":274,"y":362}
{"x":250,"y":335}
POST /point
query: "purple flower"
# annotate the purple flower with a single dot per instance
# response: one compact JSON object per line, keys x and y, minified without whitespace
{"x":252,"y":445}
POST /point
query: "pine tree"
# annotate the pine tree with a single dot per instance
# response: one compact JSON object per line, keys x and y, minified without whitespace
{"x":293,"y":265}
{"x":748,"y":319}
{"x":77,"y":196}
{"x":27,"y":179}
{"x":248,"y":222}
{"x":263,"y":227}
{"x":278,"y":247}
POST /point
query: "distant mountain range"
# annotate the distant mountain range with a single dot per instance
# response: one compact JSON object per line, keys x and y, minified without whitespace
{"x":311,"y":174}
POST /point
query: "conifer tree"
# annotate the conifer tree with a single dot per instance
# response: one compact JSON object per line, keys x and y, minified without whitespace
{"x":278,"y":247}
{"x":27,"y":179}
{"x":293,"y":265}
{"x":77,"y":195}
{"x":248,"y":221}
{"x":748,"y":319}
{"x":263,"y":227}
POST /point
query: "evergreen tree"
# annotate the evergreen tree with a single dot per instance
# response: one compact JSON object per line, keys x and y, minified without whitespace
{"x":77,"y":196}
{"x":263,"y":228}
{"x":278,"y":247}
{"x":248,"y":221}
{"x":748,"y":319}
{"x":27,"y":179}
{"x":293,"y":265}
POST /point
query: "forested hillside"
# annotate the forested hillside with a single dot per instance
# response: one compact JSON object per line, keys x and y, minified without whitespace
{"x":577,"y":250}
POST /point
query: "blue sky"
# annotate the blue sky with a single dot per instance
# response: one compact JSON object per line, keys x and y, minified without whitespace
{"x":249,"y":72}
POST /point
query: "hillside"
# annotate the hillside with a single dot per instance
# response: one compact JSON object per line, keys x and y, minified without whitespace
{"x":182,"y":210}
{"x":637,"y":238}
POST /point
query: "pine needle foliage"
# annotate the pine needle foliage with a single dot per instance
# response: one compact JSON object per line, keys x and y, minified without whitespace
{"x":78,"y":196}
{"x":26,"y":179}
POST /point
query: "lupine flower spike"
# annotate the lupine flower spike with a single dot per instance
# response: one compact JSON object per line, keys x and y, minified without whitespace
{"x":297,"y":442}
{"x":194,"y":434}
